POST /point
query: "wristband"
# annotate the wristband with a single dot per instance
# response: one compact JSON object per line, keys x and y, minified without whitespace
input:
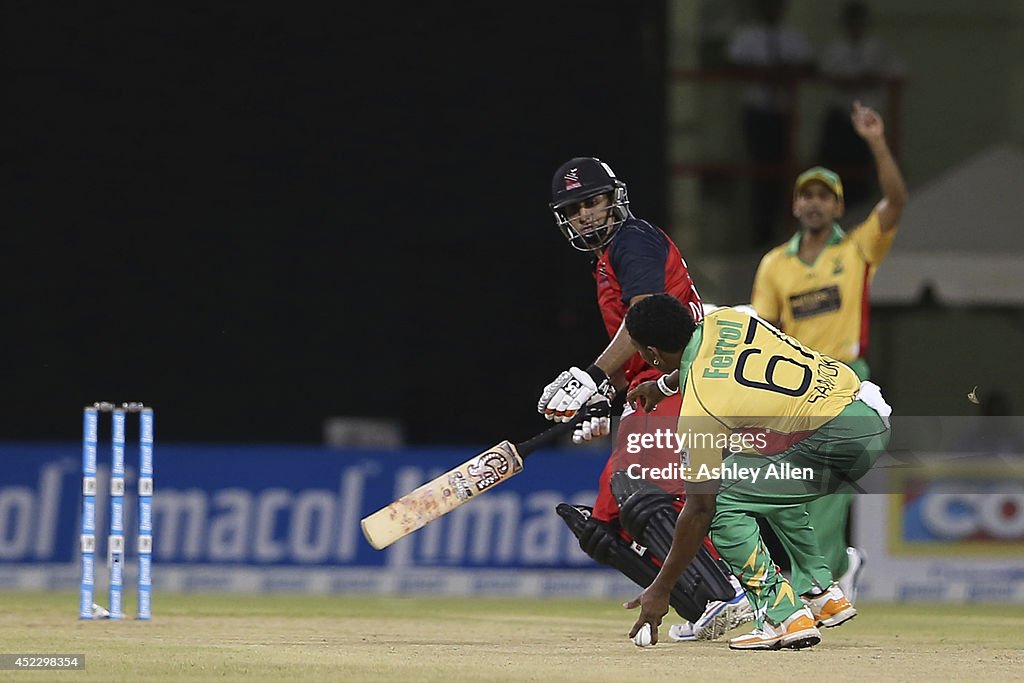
{"x":604,"y":384}
{"x":663,"y":387}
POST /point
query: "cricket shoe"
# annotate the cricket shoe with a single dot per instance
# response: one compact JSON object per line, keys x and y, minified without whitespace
{"x":850,"y":580}
{"x":831,"y":608}
{"x":681,"y":633}
{"x":721,"y":617}
{"x":795,"y":633}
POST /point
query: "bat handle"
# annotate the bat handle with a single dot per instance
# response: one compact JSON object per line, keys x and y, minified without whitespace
{"x":551,"y":434}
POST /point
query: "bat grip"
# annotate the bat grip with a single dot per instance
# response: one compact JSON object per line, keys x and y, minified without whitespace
{"x":551,"y":434}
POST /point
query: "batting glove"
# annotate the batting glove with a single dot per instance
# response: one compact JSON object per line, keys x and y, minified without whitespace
{"x":571,"y":390}
{"x":599,"y":422}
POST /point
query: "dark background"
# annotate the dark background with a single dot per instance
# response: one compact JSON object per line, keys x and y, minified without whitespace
{"x":256,"y":216}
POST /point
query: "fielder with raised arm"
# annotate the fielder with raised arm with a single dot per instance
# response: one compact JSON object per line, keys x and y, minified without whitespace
{"x":816,"y":288}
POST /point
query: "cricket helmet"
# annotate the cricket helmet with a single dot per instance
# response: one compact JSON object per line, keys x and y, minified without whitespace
{"x":577,"y":180}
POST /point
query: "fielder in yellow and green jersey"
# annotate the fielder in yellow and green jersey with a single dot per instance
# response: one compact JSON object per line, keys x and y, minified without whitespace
{"x":821,"y":429}
{"x":816,"y":288}
{"x":740,"y":375}
{"x":824,"y":304}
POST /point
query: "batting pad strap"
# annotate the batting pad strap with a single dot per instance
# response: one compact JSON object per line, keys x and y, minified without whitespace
{"x":603,"y":543}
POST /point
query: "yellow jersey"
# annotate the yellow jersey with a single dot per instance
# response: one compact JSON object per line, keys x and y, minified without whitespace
{"x":749,"y":388}
{"x":824,"y":304}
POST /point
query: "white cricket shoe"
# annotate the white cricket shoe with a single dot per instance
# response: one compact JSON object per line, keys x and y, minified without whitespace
{"x":720,"y":617}
{"x":681,"y":633}
{"x":796,"y":632}
{"x":848,"y":581}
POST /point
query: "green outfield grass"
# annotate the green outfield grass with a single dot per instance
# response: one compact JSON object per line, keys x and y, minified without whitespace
{"x":338,"y":638}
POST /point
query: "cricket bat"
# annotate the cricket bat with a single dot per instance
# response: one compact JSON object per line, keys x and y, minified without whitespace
{"x":456,"y":487}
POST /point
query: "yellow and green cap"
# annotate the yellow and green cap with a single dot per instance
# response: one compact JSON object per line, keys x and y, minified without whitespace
{"x":822,"y":175}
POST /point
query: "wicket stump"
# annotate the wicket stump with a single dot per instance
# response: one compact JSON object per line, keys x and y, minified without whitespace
{"x":115,"y":537}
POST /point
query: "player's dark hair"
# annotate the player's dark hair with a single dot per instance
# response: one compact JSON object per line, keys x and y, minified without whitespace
{"x":660,"y":321}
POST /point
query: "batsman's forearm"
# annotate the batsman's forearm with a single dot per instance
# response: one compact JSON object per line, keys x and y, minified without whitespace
{"x":618,"y":379}
{"x":894,"y":189}
{"x":618,"y":351}
{"x":692,"y":526}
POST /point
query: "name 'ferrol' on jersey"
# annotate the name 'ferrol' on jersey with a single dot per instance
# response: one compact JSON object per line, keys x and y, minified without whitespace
{"x":578,"y":180}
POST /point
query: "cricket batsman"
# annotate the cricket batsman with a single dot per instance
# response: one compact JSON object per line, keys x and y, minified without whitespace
{"x":632,"y":260}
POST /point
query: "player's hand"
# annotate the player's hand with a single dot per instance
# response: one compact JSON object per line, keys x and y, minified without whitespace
{"x":598,"y":422}
{"x":653,"y":604}
{"x":571,"y":390}
{"x":867,"y":122}
{"x":646,"y":395}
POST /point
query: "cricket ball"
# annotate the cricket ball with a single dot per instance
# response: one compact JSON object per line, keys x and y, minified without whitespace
{"x":643,"y":636}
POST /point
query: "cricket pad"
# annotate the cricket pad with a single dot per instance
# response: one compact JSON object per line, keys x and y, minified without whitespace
{"x":648,"y":514}
{"x":603,"y":543}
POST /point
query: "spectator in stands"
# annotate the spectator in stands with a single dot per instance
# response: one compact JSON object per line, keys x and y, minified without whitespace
{"x":775,"y":50}
{"x":857,"y":63}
